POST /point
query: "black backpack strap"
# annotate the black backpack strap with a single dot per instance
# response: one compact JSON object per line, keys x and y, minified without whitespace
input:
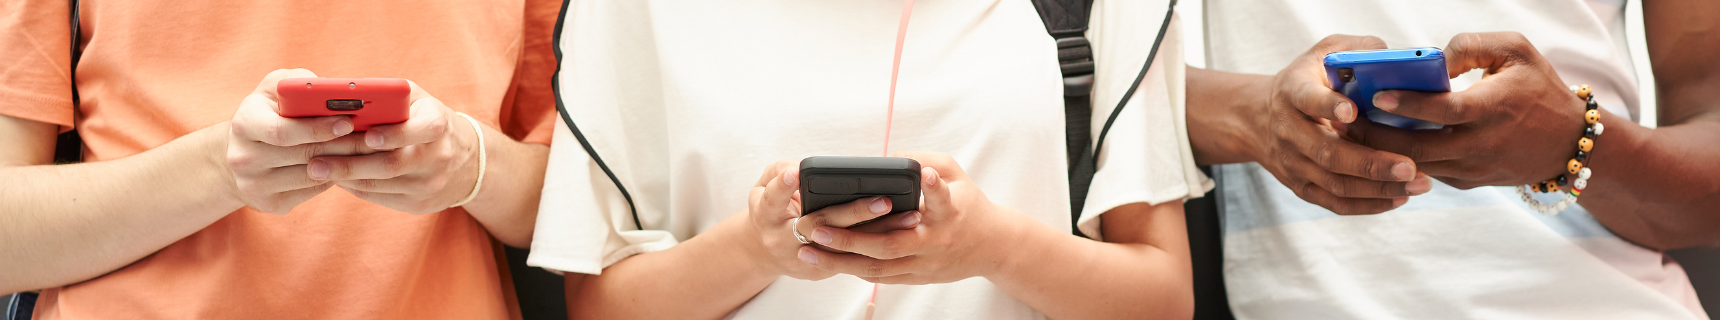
{"x":1066,"y":20}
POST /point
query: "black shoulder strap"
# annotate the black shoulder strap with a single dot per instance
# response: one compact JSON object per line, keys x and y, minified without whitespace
{"x":1066,"y":20}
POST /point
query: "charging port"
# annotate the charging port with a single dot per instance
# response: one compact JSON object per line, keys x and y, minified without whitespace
{"x":345,"y":104}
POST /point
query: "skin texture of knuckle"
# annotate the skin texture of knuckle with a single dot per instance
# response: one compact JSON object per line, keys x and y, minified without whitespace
{"x":1416,"y":152}
{"x":440,"y":128}
{"x":890,"y":247}
{"x":1336,"y":186}
{"x":393,"y":164}
{"x":1376,"y":167}
{"x":1325,"y":154}
{"x":237,"y":160}
{"x":274,"y":134}
{"x":1305,"y":189}
{"x":311,"y":150}
{"x":875,"y":268}
{"x":1389,"y":188}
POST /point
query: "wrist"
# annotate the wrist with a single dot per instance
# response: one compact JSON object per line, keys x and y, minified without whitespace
{"x":473,"y":153}
{"x":213,"y":143}
{"x":1253,"y":134}
{"x":1019,"y":240}
{"x":738,"y":233}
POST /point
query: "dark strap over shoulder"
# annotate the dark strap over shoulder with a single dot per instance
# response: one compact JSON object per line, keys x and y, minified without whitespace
{"x":1066,"y":21}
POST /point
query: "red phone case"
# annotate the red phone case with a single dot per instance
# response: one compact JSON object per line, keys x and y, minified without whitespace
{"x":370,"y":101}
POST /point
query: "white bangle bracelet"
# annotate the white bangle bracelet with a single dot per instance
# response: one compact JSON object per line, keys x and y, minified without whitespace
{"x":482,"y":159}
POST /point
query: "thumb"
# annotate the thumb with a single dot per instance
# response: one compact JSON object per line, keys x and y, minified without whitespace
{"x":934,"y":191}
{"x":1491,"y":51}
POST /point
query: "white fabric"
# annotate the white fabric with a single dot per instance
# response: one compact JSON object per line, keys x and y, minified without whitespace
{"x":688,"y":101}
{"x":1449,"y":254}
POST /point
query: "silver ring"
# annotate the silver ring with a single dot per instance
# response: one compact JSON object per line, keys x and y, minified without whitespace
{"x":795,"y":228}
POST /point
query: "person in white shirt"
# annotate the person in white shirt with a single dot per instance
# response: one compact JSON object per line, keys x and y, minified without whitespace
{"x":684,"y":102}
{"x":1455,"y":248}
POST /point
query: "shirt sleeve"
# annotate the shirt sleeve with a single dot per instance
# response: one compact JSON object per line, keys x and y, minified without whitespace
{"x":611,"y":96}
{"x":1146,"y":157}
{"x":36,"y":43}
{"x":584,"y":223}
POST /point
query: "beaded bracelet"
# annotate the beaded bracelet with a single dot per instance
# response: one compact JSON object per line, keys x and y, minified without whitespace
{"x":1585,"y":145}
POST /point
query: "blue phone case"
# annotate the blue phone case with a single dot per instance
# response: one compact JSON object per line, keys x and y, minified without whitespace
{"x":1419,"y":69}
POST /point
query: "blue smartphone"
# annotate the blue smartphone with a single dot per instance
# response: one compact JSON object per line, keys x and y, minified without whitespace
{"x":1359,"y":74}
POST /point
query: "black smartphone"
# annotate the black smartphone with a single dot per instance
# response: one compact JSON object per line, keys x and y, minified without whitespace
{"x":828,"y":181}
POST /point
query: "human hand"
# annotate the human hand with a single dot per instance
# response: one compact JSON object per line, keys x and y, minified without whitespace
{"x":267,"y":153}
{"x":423,"y":165}
{"x":1306,"y":148}
{"x":1516,"y":126}
{"x":772,"y":208}
{"x":960,"y":234}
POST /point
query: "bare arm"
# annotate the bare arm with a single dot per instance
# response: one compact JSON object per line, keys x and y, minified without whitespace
{"x":705,"y":277}
{"x":513,"y":181}
{"x":67,"y":223}
{"x":715,"y":272}
{"x":1223,"y":109}
{"x":1659,"y":187}
{"x":1294,"y":125}
{"x":1141,"y":272}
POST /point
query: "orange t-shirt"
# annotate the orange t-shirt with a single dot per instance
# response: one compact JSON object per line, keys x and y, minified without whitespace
{"x":154,"y":70}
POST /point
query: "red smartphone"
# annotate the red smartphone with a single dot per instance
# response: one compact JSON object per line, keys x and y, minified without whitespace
{"x":370,"y":101}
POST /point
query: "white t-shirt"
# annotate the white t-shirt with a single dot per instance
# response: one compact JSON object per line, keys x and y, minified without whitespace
{"x":1448,"y":254}
{"x":686,"y":102}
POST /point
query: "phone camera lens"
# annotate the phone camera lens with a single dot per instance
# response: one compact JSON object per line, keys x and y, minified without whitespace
{"x":1346,"y":75}
{"x":1418,"y":53}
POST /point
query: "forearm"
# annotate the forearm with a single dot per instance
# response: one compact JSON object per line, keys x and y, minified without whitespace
{"x":67,"y":223}
{"x":1660,"y":187}
{"x":1068,"y":277}
{"x":705,"y":277}
{"x":513,"y":182}
{"x":1657,"y":187}
{"x":1223,"y":108}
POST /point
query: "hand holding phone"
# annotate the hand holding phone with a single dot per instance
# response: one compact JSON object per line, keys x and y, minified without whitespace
{"x":265,"y":151}
{"x":369,"y":101}
{"x":1359,"y":74}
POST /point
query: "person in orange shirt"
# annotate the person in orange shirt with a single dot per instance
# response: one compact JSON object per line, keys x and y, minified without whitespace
{"x":198,"y":201}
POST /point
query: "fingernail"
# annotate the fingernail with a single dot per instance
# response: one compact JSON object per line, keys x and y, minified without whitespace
{"x":931,"y":176}
{"x":374,"y":140}
{"x":821,"y":236}
{"x":1398,"y":202}
{"x":808,"y":256}
{"x":879,"y":205}
{"x":1419,"y":186}
{"x":1386,"y":101}
{"x":342,"y":127}
{"x":1345,"y":112}
{"x":318,"y":169}
{"x":912,"y":220}
{"x":1403,"y":171}
{"x":789,"y":177}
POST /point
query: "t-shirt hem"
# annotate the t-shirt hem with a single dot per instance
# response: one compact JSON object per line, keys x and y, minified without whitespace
{"x":39,"y":109}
